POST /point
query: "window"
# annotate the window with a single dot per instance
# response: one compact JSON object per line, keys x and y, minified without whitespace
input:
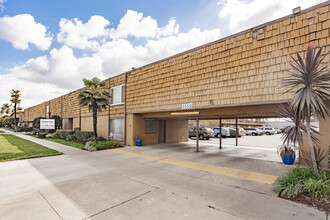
{"x":151,"y":126}
{"x":117,"y":128}
{"x":117,"y":95}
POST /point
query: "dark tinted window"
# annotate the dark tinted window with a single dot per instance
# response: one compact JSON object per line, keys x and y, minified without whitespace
{"x":151,"y":126}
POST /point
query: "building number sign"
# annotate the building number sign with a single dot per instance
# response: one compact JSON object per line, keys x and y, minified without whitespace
{"x":187,"y":106}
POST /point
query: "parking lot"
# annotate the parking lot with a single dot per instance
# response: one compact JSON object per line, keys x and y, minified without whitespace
{"x":262,"y":147}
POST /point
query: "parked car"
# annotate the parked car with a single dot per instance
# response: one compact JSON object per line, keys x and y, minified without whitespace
{"x":233,"y":132}
{"x":241,"y":131}
{"x":204,"y":132}
{"x":253,"y":131}
{"x":224,"y":131}
{"x":268,"y":131}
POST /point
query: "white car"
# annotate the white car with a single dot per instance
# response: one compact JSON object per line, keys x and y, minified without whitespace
{"x":268,"y":131}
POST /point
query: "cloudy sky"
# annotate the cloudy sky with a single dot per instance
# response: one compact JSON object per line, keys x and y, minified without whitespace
{"x":47,"y":47}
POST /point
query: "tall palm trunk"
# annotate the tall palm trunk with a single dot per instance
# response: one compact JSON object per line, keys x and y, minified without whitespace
{"x":15,"y":117}
{"x":95,"y":121}
{"x":311,"y":148}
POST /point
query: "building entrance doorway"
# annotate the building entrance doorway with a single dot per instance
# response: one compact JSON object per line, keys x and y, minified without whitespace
{"x":161,"y":131}
{"x":70,"y":124}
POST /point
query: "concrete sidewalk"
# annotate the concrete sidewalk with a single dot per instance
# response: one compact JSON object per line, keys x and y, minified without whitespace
{"x":110,"y":185}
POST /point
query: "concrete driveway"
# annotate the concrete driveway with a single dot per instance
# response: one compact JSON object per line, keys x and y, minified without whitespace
{"x":151,"y":182}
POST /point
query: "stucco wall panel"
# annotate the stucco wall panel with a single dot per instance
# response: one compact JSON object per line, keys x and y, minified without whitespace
{"x":103,"y":126}
{"x":86,"y":123}
{"x":176,"y":131}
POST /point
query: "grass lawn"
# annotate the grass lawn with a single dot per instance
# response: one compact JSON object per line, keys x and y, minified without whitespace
{"x":2,"y":131}
{"x":68,"y":143}
{"x":9,"y":129}
{"x":15,"y":148}
{"x":64,"y":142}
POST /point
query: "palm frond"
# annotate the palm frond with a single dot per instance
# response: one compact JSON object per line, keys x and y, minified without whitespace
{"x":311,"y":78}
{"x":294,"y":132}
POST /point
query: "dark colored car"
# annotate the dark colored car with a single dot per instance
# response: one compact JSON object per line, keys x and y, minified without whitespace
{"x":233,"y":132}
{"x":204,"y":132}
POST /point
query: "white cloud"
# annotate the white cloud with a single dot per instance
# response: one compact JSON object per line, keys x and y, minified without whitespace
{"x":246,"y":14}
{"x":32,"y":92}
{"x":120,"y":55}
{"x":134,"y":24}
{"x":1,"y":4}
{"x":60,"y":68}
{"x":22,"y":30}
{"x":76,"y":34}
{"x":48,"y":76}
{"x":95,"y":32}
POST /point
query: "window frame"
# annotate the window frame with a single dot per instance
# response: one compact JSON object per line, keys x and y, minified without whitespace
{"x":122,"y":91}
{"x":152,"y":132}
{"x":123,"y":133}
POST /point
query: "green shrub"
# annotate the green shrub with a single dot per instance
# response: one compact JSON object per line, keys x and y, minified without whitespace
{"x":63,"y":134}
{"x":41,"y":135}
{"x":58,"y":121}
{"x":90,"y":146}
{"x":70,"y":138}
{"x":299,"y":180}
{"x":84,"y":136}
{"x":49,"y":135}
{"x":56,"y":135}
{"x":106,"y":145}
{"x":91,"y":139}
{"x":24,"y":129}
{"x":318,"y":188}
{"x":8,"y":122}
{"x":36,"y":122}
{"x":102,"y":139}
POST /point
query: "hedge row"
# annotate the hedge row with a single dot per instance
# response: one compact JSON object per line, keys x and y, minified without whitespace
{"x":81,"y":136}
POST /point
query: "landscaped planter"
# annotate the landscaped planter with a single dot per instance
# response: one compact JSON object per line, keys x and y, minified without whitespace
{"x":139,"y":143}
{"x":289,"y":158}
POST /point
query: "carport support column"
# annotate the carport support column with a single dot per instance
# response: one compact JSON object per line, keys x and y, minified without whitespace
{"x":236,"y":132}
{"x":197,"y":134}
{"x":220,"y":134}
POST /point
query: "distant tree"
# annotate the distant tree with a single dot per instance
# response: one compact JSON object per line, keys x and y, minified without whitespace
{"x":58,"y":121}
{"x":16,"y":100}
{"x":8,"y":122}
{"x":36,"y":122}
{"x":310,"y":80}
{"x":96,"y":96}
{"x":5,"y":109}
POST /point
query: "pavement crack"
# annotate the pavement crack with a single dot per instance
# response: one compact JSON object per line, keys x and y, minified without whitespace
{"x":50,"y":205}
{"x":149,"y":191}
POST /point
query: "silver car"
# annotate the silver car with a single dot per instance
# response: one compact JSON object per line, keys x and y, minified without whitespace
{"x":268,"y":131}
{"x":253,"y":131}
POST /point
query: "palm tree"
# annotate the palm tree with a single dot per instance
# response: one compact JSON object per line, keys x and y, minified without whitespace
{"x":96,"y":96}
{"x":311,"y":78}
{"x":16,"y":100}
